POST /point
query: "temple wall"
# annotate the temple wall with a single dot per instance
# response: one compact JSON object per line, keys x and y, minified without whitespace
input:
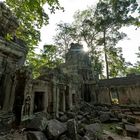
{"x":42,"y":88}
{"x":103,"y":96}
{"x":126,"y":89}
{"x":12,"y":57}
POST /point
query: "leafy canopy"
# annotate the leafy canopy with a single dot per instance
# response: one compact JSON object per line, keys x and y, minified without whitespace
{"x":32,"y":17}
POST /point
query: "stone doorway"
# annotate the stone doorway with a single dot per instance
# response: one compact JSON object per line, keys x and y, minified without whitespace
{"x":67,"y":98}
{"x":19,"y":97}
{"x":61,"y":99}
{"x":38,"y":102}
{"x":2,"y":94}
{"x":87,"y":93}
{"x":114,"y":96}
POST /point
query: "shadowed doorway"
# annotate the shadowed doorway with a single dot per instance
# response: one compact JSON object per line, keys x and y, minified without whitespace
{"x":38,"y":102}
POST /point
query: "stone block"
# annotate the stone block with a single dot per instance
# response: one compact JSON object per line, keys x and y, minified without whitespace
{"x":72,"y":129}
{"x":55,"y":129}
{"x":131,"y":130}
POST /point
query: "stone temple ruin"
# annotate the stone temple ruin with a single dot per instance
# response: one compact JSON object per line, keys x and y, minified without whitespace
{"x":70,"y":93}
{"x":64,"y":87}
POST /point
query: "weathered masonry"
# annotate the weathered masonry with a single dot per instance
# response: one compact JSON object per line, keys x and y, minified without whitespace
{"x":56,"y":90}
{"x":12,"y":57}
{"x":126,"y":90}
{"x":61,"y":89}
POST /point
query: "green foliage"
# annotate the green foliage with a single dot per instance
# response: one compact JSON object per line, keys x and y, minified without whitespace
{"x":64,"y":37}
{"x":50,"y":54}
{"x":119,"y":67}
{"x":32,"y":17}
{"x":135,"y":69}
{"x":46,"y":59}
{"x":110,"y":16}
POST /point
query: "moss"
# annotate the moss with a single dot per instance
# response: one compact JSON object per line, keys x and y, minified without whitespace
{"x":110,"y":127}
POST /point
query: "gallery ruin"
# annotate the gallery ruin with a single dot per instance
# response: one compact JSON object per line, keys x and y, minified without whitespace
{"x":56,"y":90}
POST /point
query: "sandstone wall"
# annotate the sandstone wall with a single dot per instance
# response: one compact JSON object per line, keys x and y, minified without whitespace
{"x":127,"y":89}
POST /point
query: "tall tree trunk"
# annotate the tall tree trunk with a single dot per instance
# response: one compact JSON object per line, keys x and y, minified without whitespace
{"x":105,"y":51}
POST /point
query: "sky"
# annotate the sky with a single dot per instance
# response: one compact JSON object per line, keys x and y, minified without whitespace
{"x":129,"y":45}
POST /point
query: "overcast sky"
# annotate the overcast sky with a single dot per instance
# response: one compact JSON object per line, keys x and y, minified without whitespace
{"x":129,"y":46}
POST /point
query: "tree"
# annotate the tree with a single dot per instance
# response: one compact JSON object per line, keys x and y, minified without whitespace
{"x":135,"y":68}
{"x":64,"y":37}
{"x":46,"y":59}
{"x":119,"y":67}
{"x":111,"y":15}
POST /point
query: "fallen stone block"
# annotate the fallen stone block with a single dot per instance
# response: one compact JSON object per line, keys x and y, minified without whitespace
{"x":131,"y":130}
{"x":72,"y":129}
{"x":55,"y":129}
{"x":63,"y":118}
{"x":71,"y":115}
{"x":93,"y":130}
{"x":131,"y":119}
{"x":104,"y":117}
{"x":36,"y":135}
{"x":38,"y":123}
{"x":119,"y":130}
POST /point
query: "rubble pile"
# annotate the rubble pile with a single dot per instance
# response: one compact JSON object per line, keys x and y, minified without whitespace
{"x":87,"y":123}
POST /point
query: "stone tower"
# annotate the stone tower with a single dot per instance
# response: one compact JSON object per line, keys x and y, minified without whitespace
{"x":78,"y":65}
{"x":78,"y":62}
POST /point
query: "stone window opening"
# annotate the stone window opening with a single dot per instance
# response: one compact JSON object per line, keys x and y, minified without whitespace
{"x":73,"y":99}
{"x":38,"y":102}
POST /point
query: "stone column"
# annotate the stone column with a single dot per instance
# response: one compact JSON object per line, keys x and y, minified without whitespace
{"x":72,"y":129}
{"x":12,"y":99}
{"x":32,"y":102}
{"x":57,"y":102}
{"x":64,"y":103}
{"x":54,"y":100}
{"x":70,"y":97}
{"x":46,"y":99}
{"x":8,"y":87}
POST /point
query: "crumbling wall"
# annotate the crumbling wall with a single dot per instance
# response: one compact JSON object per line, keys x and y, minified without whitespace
{"x":127,"y":90}
{"x":12,"y":57}
{"x":103,"y":95}
{"x":129,"y":95}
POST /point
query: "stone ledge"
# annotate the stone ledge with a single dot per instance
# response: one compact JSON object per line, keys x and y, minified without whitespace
{"x":12,"y":48}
